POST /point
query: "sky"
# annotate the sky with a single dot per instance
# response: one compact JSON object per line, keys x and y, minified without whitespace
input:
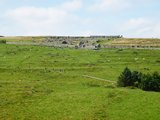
{"x":130,"y":18}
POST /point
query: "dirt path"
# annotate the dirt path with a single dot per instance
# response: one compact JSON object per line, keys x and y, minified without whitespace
{"x":87,"y":76}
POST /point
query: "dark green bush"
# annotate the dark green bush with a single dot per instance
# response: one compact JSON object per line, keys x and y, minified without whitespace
{"x":149,"y":82}
{"x":129,"y":78}
{"x":125,"y":79}
{"x":136,"y":78}
{"x":2,"y":41}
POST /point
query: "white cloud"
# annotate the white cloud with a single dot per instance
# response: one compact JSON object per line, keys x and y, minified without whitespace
{"x":117,"y":5}
{"x":74,"y":5}
{"x":45,"y":21}
{"x":141,"y":27}
{"x":109,"y":5}
{"x":135,"y":23}
{"x":73,"y":18}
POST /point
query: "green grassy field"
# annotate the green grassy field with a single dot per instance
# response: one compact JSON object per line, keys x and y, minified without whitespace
{"x":45,"y":83}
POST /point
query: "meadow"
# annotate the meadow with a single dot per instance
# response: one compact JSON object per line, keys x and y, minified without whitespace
{"x":46,"y":83}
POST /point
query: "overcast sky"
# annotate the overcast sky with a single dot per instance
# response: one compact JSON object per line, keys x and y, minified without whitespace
{"x":130,"y":18}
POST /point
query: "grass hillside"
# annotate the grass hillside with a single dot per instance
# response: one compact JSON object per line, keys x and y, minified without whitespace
{"x":45,"y":83}
{"x":23,"y":38}
{"x":154,"y":42}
